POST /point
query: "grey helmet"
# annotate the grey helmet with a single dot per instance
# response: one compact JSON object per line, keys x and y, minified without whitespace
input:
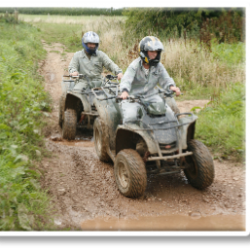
{"x":90,"y":37}
{"x":150,"y":43}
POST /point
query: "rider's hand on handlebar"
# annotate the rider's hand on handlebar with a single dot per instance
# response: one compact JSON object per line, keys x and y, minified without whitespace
{"x":74,"y":73}
{"x":124,"y":95}
{"x":176,"y":90}
{"x":119,"y":76}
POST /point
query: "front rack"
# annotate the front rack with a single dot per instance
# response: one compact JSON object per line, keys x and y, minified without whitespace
{"x":161,"y":152}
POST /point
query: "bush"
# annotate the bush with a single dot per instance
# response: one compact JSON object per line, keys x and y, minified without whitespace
{"x":22,"y":99}
{"x":226,"y":25}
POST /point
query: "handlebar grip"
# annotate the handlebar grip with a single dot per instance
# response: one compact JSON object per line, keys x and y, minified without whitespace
{"x":118,"y":98}
{"x":111,"y":77}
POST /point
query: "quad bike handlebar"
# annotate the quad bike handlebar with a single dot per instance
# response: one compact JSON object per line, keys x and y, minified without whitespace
{"x":131,"y":98}
{"x":163,"y":91}
{"x":80,"y":76}
{"x":111,"y":77}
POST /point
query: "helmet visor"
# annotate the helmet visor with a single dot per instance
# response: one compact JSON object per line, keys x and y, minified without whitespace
{"x":153,"y":45}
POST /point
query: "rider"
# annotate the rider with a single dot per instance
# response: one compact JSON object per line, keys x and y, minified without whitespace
{"x":142,"y":76}
{"x":90,"y":62}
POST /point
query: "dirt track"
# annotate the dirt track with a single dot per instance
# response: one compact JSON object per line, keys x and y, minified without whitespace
{"x":82,"y":187}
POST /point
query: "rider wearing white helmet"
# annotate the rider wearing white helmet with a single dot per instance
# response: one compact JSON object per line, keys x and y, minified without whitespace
{"x":90,"y":62}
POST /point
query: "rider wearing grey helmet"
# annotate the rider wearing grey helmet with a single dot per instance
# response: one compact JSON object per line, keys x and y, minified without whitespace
{"x":90,"y":62}
{"x":143,"y":75}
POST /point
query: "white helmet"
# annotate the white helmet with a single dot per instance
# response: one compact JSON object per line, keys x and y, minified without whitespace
{"x":90,"y":37}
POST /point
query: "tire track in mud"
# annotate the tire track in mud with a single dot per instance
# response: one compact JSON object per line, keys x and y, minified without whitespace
{"x":81,"y":187}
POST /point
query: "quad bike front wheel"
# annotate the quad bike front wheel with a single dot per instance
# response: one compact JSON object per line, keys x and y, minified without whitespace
{"x":99,"y":140}
{"x":200,"y":173}
{"x":69,"y":124}
{"x":130,"y":173}
{"x":61,"y":109}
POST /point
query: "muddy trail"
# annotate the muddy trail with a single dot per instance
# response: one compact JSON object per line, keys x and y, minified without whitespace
{"x":85,"y":196}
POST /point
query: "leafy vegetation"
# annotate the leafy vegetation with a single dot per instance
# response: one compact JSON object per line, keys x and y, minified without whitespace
{"x":23,"y":203}
{"x":230,"y":53}
{"x":221,"y":125}
{"x":226,"y":25}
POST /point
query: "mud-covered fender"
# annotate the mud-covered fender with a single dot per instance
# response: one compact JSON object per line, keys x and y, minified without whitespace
{"x":125,"y":134}
{"x":102,"y":113}
{"x":188,"y":129}
{"x":108,"y":111}
{"x":100,"y":107}
{"x":72,"y":100}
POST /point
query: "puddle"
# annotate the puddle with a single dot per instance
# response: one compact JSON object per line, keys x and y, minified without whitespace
{"x":76,"y":143}
{"x":168,"y":223}
{"x":52,"y":77}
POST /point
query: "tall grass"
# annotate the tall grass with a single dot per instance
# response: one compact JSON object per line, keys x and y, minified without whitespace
{"x":66,"y":19}
{"x":199,"y":71}
{"x":23,"y":204}
{"x":74,"y":11}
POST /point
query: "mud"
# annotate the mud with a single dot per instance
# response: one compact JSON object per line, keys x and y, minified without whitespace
{"x":84,"y":193}
{"x":168,"y":223}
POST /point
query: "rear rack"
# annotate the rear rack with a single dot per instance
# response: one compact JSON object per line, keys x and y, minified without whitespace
{"x":103,"y":90}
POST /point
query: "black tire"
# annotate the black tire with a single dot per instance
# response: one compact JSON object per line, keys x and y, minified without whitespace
{"x":61,"y":109}
{"x":200,"y":174}
{"x":130,"y":173}
{"x":99,"y":140}
{"x":69,"y":124}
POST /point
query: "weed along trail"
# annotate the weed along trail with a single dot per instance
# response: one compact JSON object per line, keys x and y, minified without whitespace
{"x":85,"y":196}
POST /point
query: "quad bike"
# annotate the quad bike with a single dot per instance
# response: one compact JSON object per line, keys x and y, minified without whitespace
{"x":160,"y":142}
{"x":76,"y":107}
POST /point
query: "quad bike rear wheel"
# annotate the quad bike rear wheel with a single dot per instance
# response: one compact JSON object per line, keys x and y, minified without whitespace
{"x":130,"y":173}
{"x":99,"y":140}
{"x":200,"y":173}
{"x":69,"y":124}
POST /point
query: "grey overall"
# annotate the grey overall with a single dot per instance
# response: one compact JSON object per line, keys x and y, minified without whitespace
{"x":136,"y":82}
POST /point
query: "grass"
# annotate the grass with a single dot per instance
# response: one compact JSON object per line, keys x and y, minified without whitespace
{"x":221,"y":125}
{"x":200,"y":73}
{"x":83,"y":20}
{"x":23,"y":204}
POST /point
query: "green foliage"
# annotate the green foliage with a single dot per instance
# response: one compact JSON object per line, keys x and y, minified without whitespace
{"x":8,"y":19}
{"x":64,"y":11}
{"x":226,"y":25}
{"x":221,"y":124}
{"x":22,"y":102}
{"x":231,"y":54}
